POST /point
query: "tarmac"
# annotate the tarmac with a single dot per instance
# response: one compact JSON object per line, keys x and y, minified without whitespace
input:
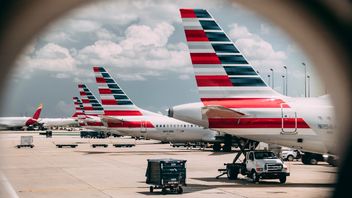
{"x":48,"y":171}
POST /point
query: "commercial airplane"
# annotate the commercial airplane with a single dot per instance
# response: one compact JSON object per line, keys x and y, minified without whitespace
{"x":236,"y":100}
{"x":92,"y":110}
{"x":20,"y":122}
{"x":122,"y":114}
{"x":73,"y":120}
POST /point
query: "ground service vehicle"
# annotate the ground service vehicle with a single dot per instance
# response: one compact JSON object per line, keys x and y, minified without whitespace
{"x":166,"y":174}
{"x":258,"y":165}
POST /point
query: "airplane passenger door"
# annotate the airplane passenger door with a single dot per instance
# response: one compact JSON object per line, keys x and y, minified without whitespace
{"x":288,"y":120}
{"x":143,"y":127}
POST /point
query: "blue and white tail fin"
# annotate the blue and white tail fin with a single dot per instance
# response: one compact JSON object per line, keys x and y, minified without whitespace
{"x":113,"y":98}
{"x":91,"y":105}
{"x":221,"y":70}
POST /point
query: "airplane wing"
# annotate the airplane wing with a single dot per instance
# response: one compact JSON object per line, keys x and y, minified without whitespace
{"x":217,"y":111}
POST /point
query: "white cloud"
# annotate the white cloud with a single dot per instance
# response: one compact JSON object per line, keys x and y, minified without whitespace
{"x":51,"y":57}
{"x":258,"y":51}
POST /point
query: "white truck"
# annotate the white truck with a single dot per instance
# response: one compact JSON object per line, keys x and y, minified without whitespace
{"x":258,"y":165}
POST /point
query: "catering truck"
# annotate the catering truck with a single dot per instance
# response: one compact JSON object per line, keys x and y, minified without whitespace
{"x":258,"y":164}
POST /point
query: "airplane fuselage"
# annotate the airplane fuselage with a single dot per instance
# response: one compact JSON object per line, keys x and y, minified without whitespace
{"x":303,"y":123}
{"x":13,"y":122}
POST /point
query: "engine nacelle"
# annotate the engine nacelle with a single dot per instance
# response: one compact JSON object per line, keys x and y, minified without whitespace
{"x":191,"y":113}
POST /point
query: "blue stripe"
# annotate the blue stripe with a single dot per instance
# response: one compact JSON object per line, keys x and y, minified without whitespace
{"x":120,"y":97}
{"x":116,"y":91}
{"x":225,"y":48}
{"x":200,"y":13}
{"x":217,"y":36}
{"x":232,"y":59}
{"x":105,"y":75}
{"x":209,"y":25}
{"x":248,"y":81}
{"x":113,"y":86}
{"x":240,"y":70}
{"x":124,"y":102}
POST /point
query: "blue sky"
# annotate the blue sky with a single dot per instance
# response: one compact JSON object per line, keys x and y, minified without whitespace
{"x":143,"y":46}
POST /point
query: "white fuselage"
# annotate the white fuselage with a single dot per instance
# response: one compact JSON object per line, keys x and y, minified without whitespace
{"x":50,"y":122}
{"x":13,"y":122}
{"x":317,"y":113}
{"x":163,"y":128}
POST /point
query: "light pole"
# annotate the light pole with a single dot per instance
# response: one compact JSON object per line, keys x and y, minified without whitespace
{"x":283,"y":84}
{"x":308,"y":78}
{"x":286,"y":84}
{"x":272,"y":76}
{"x":305,"y":79}
{"x":269,"y":83}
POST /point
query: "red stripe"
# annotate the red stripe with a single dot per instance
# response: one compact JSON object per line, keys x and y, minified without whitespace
{"x":85,"y":100}
{"x":131,"y":124}
{"x":245,"y":102}
{"x":187,"y":13}
{"x":122,"y":113}
{"x":256,"y":123}
{"x":204,"y":81}
{"x":104,"y":91}
{"x":82,"y":93}
{"x":90,"y":123}
{"x":196,"y":35}
{"x":108,"y":102}
{"x":100,"y":80}
{"x":80,"y":86}
{"x":96,"y":69}
{"x":204,"y":58}
{"x":88,"y":108}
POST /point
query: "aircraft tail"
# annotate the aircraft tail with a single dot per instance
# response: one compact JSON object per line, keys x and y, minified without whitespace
{"x":91,"y":105}
{"x":79,"y":110}
{"x":221,"y":70}
{"x":36,"y":114}
{"x":113,"y":98}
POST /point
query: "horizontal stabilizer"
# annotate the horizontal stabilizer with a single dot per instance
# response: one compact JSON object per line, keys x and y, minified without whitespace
{"x":217,"y":111}
{"x":110,"y":120}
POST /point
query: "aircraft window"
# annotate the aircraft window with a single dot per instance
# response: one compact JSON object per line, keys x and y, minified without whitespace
{"x":164,"y":125}
{"x":184,"y":126}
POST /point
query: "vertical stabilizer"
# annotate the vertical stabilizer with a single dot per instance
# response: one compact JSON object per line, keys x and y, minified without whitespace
{"x":113,"y":98}
{"x":221,"y":70}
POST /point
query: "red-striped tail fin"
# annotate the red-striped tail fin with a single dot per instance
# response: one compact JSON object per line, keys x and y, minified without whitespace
{"x":113,"y":98}
{"x":79,"y":110}
{"x":91,"y":105}
{"x":221,"y":70}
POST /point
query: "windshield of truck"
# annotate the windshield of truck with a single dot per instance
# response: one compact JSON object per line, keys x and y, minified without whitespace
{"x":264,"y":155}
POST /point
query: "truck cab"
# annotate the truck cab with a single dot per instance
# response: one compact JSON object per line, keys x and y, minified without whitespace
{"x":258,"y":164}
{"x":265,"y":165}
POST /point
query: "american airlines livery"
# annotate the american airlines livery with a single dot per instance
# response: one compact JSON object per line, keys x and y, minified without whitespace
{"x":19,"y":122}
{"x":236,"y":100}
{"x":122,"y":114}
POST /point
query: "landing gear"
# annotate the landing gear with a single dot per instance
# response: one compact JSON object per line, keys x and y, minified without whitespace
{"x":227,"y":143}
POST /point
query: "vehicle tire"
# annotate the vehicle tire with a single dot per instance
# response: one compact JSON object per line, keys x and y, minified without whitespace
{"x":290,"y":158}
{"x":255,"y":177}
{"x":232,"y":173}
{"x":226,"y":148}
{"x":179,"y":190}
{"x":313,"y":161}
{"x":216,"y":147}
{"x":93,"y":146}
{"x":282,"y":179}
{"x":163,"y":191}
{"x":151,"y":189}
{"x":31,"y":146}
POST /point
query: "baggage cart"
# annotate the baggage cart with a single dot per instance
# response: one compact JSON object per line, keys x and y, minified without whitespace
{"x":166,"y":174}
